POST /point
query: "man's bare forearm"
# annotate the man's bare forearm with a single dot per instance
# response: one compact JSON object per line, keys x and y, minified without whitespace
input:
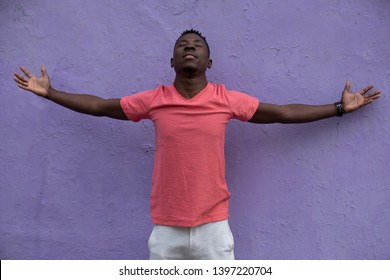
{"x":82,"y":103}
{"x":87,"y":104}
{"x":292,"y":113}
{"x":300,"y":113}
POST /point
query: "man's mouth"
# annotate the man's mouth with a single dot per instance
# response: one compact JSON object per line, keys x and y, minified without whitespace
{"x":189,"y":56}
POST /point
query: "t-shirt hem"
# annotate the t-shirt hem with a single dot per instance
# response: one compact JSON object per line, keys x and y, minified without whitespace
{"x":189,"y":223}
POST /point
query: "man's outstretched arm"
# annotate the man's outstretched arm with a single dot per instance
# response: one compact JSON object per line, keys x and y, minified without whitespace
{"x":82,"y":103}
{"x":300,"y":113}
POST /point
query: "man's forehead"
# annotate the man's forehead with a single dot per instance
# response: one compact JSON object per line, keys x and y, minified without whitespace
{"x":191,"y":36}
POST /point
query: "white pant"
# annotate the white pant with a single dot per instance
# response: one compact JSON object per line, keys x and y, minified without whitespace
{"x":212,"y":241}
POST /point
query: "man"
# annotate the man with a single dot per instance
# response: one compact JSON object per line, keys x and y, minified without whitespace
{"x":189,"y":198}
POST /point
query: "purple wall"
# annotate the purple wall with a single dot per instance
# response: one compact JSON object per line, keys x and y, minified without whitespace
{"x":77,"y":187}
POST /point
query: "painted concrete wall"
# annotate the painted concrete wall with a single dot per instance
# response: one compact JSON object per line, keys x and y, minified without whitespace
{"x":77,"y":187}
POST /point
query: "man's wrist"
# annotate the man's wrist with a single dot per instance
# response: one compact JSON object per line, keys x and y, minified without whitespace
{"x":48,"y":92}
{"x":339,"y":109}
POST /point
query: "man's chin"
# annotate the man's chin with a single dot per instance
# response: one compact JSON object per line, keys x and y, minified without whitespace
{"x":189,"y":69}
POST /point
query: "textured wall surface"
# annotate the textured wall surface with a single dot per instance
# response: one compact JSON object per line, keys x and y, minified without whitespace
{"x":77,"y":187}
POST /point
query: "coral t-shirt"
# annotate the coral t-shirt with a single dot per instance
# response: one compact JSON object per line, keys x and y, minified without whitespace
{"x":188,"y":185}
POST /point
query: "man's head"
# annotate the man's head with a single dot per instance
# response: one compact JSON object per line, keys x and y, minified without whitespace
{"x":191,"y":53}
{"x":193,"y":31}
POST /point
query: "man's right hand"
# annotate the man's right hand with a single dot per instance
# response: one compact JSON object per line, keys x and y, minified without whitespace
{"x":39,"y":86}
{"x":82,"y":103}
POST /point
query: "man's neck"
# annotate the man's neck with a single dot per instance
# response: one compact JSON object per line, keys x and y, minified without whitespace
{"x":188,"y":87}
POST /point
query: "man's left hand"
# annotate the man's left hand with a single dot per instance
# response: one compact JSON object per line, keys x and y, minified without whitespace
{"x":353,"y":101}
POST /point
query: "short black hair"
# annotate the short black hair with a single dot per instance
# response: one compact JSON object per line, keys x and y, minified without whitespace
{"x":193,"y":31}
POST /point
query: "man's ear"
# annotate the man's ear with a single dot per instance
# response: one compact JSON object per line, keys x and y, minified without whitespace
{"x":209,"y":63}
{"x":172,"y":62}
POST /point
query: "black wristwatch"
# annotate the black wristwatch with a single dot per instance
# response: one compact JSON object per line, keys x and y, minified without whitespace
{"x":340,"y":109}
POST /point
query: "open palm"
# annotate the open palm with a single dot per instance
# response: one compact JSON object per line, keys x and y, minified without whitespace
{"x":40,"y":86}
{"x":353,"y":101}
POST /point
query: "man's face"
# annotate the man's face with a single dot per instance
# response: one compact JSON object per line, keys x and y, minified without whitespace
{"x":190,"y":54}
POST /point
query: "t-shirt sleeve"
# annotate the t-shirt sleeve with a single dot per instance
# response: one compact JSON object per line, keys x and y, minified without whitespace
{"x":243,"y":106}
{"x":136,"y":106}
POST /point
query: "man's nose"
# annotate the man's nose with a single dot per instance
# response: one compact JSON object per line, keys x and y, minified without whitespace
{"x":189,"y":47}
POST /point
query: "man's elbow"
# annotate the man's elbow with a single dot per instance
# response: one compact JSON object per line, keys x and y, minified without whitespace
{"x":99,"y":108}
